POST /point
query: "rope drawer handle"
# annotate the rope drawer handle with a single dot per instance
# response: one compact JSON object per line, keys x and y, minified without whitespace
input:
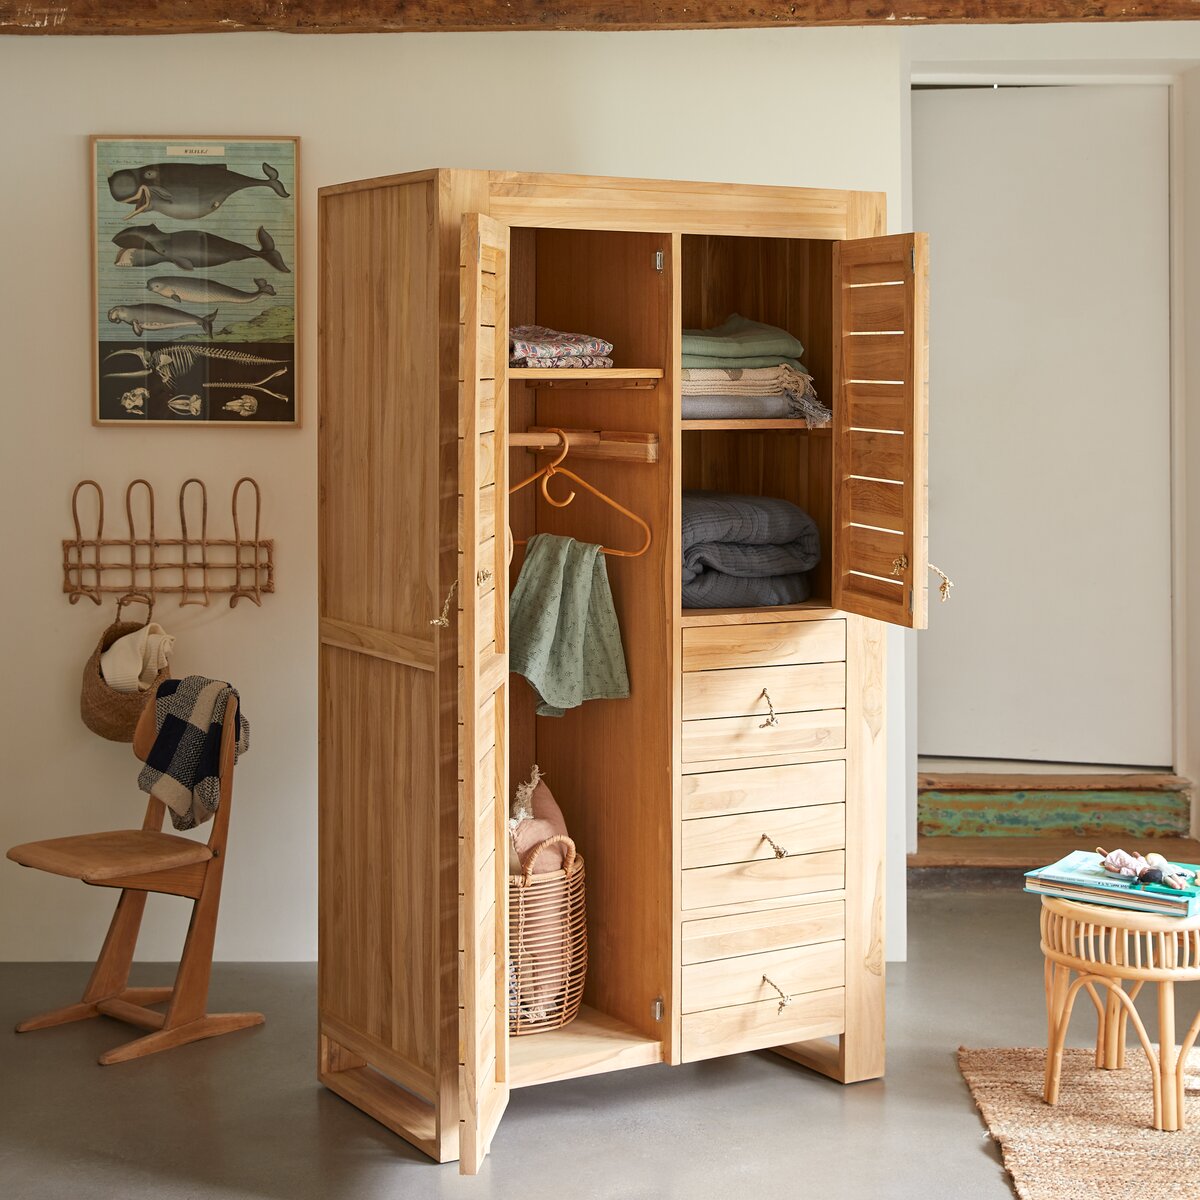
{"x":772,"y":720}
{"x":780,"y":852}
{"x":444,"y":620}
{"x":784,"y":998}
{"x":946,"y":584}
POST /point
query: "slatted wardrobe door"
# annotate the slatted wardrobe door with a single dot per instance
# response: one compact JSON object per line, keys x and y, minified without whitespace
{"x":880,"y":450}
{"x":483,"y":694}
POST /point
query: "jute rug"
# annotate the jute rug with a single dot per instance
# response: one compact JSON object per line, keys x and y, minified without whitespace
{"x":1097,"y":1142}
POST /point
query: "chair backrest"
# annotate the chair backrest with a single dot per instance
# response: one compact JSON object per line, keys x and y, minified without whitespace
{"x":143,"y":743}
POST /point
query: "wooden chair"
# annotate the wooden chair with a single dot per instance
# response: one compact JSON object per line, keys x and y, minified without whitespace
{"x":139,"y":861}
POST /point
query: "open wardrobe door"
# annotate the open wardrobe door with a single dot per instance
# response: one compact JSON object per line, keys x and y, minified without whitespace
{"x":483,"y":689}
{"x":880,"y":414}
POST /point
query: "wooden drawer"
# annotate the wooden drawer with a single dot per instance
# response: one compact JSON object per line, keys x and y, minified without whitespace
{"x":739,"y":692}
{"x":743,"y":980}
{"x":717,"y":793}
{"x":748,"y":737}
{"x":765,"y":879}
{"x":714,"y":647}
{"x":758,"y":1026}
{"x":758,"y":932}
{"x":741,"y":838}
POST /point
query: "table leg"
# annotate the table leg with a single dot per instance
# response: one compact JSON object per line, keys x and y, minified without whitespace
{"x":1112,"y":1031}
{"x":1170,"y":1066}
{"x":1059,"y":981}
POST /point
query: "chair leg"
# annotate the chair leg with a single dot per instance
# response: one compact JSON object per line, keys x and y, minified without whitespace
{"x":186,"y":1019}
{"x":110,"y":975}
{"x":167,"y":1039}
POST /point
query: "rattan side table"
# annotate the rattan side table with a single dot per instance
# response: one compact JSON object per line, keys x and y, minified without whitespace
{"x":1109,"y":947}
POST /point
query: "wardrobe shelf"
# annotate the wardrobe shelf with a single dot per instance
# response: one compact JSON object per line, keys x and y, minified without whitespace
{"x":793,"y":424}
{"x":600,"y":378}
{"x":590,"y":1045}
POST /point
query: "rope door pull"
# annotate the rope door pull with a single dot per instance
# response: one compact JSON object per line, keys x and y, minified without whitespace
{"x":784,"y":998}
{"x":443,"y":621}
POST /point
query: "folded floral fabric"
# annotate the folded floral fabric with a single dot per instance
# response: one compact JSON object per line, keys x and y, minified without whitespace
{"x":739,"y":338}
{"x":541,"y":342}
{"x":569,"y":360}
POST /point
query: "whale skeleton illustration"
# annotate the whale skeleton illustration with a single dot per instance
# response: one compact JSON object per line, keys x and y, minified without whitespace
{"x":256,"y":387}
{"x":169,"y":363}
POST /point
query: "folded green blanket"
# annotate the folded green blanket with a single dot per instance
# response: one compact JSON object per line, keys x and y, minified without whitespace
{"x":693,"y":362}
{"x":742,"y":339}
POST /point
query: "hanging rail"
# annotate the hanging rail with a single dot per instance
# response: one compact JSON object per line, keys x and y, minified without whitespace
{"x":194,"y":568}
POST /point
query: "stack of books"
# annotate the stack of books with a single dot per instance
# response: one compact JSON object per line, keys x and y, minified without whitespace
{"x":1080,"y":876}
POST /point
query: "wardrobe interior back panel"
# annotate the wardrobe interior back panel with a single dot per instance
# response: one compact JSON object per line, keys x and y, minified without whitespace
{"x":786,"y":282}
{"x":609,"y":761}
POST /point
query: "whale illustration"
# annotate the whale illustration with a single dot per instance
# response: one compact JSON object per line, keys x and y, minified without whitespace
{"x":184,"y":190}
{"x":198,"y":290}
{"x":147,"y":245}
{"x":158,"y":316}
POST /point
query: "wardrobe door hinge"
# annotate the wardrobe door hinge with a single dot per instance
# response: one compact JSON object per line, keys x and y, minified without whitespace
{"x":657,"y":1008}
{"x":912,"y":258}
{"x":659,"y":260}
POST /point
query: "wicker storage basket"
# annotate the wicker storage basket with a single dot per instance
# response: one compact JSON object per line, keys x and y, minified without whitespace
{"x":112,"y":714}
{"x":547,"y":943}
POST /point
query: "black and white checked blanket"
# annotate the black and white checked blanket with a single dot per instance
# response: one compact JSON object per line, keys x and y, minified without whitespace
{"x":183,"y":768}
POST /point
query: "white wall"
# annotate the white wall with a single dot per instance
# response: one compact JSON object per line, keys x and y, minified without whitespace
{"x":819,"y":107}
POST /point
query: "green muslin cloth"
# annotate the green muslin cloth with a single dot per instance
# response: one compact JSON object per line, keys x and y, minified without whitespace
{"x":740,"y":339}
{"x":563,"y":634}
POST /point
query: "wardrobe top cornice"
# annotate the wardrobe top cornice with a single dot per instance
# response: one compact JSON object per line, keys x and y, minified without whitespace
{"x":659,"y":205}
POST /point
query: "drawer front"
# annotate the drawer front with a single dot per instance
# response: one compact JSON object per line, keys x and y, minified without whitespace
{"x":721,"y":793}
{"x":747,"y":979}
{"x":715,"y":647}
{"x":744,"y":691}
{"x":758,"y":1026}
{"x":766,"y":879}
{"x":749,"y":737}
{"x":743,"y":838}
{"x":758,"y":932}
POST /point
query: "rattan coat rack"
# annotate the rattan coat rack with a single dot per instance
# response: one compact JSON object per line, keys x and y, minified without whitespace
{"x":194,"y":568}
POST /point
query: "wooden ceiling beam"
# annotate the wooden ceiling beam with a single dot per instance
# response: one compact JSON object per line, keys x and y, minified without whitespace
{"x":432,"y":16}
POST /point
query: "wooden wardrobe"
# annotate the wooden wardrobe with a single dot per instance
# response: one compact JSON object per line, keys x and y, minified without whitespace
{"x":704,"y":940}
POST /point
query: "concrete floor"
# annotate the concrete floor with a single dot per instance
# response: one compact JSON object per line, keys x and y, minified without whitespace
{"x":243,"y":1117}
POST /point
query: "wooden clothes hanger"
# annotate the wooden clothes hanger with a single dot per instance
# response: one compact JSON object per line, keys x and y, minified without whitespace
{"x":555,"y":467}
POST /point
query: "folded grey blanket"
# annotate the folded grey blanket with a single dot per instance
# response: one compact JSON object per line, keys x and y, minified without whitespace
{"x":746,"y":551}
{"x":738,"y":408}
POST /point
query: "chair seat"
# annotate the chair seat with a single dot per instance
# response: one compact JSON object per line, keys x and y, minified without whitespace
{"x":98,"y":857}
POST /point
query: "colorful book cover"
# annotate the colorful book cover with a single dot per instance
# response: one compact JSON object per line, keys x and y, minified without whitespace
{"x":1082,"y":876}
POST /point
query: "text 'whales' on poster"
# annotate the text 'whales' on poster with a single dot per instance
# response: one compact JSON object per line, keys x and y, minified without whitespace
{"x":195,"y":280}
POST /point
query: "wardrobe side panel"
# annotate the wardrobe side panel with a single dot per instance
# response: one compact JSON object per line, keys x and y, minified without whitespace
{"x":863,"y":1043}
{"x":378,"y":466}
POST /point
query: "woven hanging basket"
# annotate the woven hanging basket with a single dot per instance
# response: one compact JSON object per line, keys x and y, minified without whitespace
{"x":547,"y":943}
{"x":112,"y":714}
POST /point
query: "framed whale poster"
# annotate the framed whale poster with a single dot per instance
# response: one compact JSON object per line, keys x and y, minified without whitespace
{"x":195,"y":280}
